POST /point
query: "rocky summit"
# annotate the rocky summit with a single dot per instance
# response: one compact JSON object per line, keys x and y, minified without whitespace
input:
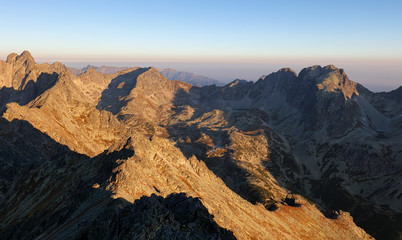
{"x":133,"y":155}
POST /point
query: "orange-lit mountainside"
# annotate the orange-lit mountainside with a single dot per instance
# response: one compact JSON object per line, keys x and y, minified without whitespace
{"x":133,"y":155}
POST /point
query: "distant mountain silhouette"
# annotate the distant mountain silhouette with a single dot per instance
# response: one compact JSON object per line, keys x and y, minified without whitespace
{"x":171,"y":74}
{"x":101,"y":69}
{"x":192,"y":78}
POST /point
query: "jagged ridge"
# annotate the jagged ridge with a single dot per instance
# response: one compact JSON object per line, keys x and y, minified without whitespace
{"x":284,"y":132}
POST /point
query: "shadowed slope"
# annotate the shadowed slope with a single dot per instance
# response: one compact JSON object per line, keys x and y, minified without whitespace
{"x":322,"y":125}
{"x":116,"y":96}
{"x":174,"y":217}
{"x":143,"y":92}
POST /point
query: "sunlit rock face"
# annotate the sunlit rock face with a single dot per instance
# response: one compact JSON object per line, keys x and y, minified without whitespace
{"x":130,"y":154}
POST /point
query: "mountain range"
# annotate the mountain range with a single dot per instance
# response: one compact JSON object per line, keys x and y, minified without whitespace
{"x":169,"y":73}
{"x":133,"y":155}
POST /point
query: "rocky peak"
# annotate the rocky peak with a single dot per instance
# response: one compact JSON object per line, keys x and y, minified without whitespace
{"x":60,"y":67}
{"x":149,"y":77}
{"x":88,"y":67}
{"x":310,"y":72}
{"x":330,"y":79}
{"x":11,"y":57}
{"x":336,"y":80}
{"x":19,"y":70}
{"x":284,"y":73}
{"x":89,"y":73}
{"x":24,"y":60}
{"x":94,"y":82}
{"x":281,"y":81}
{"x":287,"y":70}
{"x":25,"y":57}
{"x":26,"y":53}
{"x":237,"y":82}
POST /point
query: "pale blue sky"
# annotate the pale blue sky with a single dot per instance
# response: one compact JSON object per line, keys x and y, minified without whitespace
{"x":221,"y":39}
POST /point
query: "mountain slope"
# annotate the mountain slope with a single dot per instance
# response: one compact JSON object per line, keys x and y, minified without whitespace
{"x":71,"y":117}
{"x":338,"y":137}
{"x":87,"y":188}
{"x":151,"y":157}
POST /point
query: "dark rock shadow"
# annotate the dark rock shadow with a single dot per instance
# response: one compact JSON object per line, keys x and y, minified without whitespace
{"x":22,"y":149}
{"x":175,"y":217}
{"x":380,"y":222}
{"x":194,"y":97}
{"x":113,"y":97}
{"x":31,"y":90}
{"x":33,"y":165}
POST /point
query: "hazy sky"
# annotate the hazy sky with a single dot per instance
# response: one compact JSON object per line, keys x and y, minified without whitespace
{"x":220,"y":39}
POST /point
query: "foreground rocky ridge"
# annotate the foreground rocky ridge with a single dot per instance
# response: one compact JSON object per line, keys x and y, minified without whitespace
{"x":69,"y":196}
{"x":106,"y":140}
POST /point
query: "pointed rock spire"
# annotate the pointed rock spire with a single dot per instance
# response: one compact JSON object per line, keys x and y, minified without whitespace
{"x":11,"y":57}
{"x":25,"y":58}
{"x":26,"y":55}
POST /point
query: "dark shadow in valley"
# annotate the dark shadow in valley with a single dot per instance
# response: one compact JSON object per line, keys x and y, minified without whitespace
{"x":29,"y":92}
{"x":213,"y":150}
{"x":154,"y":217}
{"x":22,"y":148}
{"x":25,"y":152}
{"x":114,"y":96}
{"x":219,"y":160}
{"x":194,"y":97}
{"x":379,"y":221}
